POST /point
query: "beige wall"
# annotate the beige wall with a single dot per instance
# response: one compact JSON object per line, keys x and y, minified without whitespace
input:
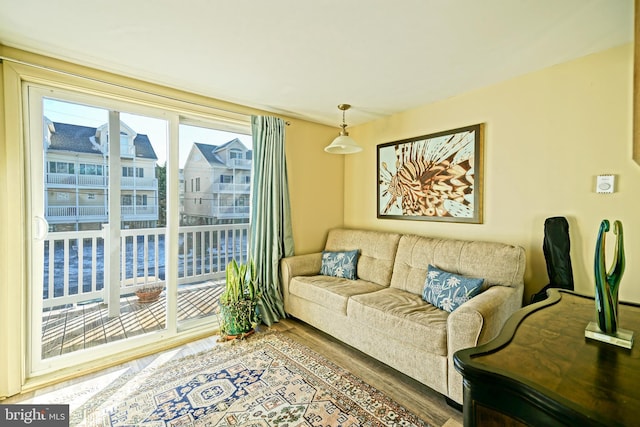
{"x":316,"y":185}
{"x":548,"y":134}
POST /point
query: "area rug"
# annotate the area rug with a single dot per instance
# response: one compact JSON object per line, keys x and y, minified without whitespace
{"x":265,"y":380}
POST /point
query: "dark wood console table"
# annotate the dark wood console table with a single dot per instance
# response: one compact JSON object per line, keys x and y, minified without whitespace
{"x":542,"y":371}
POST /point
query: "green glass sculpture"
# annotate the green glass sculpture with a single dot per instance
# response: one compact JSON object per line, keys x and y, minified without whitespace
{"x":607,"y":284}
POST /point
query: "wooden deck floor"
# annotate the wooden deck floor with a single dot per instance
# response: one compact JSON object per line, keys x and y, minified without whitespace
{"x":77,"y":327}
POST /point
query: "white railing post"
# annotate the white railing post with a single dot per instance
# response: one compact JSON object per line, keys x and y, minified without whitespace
{"x":112,"y":239}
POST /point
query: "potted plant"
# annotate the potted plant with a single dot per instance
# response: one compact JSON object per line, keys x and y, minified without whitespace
{"x":238,"y":302}
{"x":149,"y":293}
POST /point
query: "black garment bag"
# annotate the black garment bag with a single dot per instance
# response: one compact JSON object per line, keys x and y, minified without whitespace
{"x":556,"y":248}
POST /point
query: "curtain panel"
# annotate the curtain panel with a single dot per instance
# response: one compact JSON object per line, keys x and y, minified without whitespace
{"x":271,"y":231}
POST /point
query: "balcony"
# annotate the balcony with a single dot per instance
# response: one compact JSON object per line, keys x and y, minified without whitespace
{"x":64,"y":180}
{"x":239,"y":164}
{"x":72,"y":180}
{"x":128,"y":182}
{"x":73,"y":213}
{"x":231,"y":188}
{"x":229,"y":212}
{"x":139,"y":213}
{"x":71,"y":327}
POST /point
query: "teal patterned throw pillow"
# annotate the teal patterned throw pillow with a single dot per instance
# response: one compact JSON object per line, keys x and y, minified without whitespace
{"x":340,"y":264}
{"x":448,"y":291}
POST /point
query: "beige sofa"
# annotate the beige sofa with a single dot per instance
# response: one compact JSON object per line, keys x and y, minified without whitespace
{"x":382,"y":312}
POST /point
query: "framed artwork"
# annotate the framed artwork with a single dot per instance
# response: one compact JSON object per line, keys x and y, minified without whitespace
{"x":435,"y":177}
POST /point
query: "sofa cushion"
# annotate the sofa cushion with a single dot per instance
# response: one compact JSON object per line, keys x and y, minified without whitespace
{"x":330,"y":292}
{"x":377,"y":251}
{"x":403,"y":316}
{"x":497,"y":263}
{"x":340,"y":264}
{"x":448,"y":290}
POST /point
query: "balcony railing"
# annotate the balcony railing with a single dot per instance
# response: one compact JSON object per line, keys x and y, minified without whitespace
{"x":98,"y":181}
{"x":231,"y":211}
{"x":56,"y":214}
{"x":131,"y":182}
{"x":75,"y":262}
{"x":239,"y":164}
{"x":231,"y":188}
{"x":72,"y":212}
{"x":144,"y":210}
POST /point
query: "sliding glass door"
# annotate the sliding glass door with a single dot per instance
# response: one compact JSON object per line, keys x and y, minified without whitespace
{"x":98,"y":260}
{"x":215,"y":186}
{"x":136,"y":211}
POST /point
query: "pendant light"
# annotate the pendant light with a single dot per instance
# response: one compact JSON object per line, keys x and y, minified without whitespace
{"x":343,"y":144}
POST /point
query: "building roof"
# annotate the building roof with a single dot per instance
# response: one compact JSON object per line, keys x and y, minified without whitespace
{"x":210,"y":152}
{"x":82,"y":139}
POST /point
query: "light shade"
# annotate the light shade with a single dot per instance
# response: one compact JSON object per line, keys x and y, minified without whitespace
{"x":343,"y":144}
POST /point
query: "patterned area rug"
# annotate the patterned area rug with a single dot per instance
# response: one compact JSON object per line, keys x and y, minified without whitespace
{"x":265,"y":380}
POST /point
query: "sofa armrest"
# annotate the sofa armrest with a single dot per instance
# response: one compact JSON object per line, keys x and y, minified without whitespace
{"x":476,"y":322}
{"x":299,"y":265}
{"x":481,"y":318}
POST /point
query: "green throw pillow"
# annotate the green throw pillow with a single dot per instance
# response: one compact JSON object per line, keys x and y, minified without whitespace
{"x":340,"y":264}
{"x":448,"y":291}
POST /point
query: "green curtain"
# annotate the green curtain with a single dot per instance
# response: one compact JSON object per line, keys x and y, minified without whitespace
{"x":271,"y":233}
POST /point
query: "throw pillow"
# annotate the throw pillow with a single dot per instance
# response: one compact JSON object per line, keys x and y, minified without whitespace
{"x":340,"y":264}
{"x":448,"y":291}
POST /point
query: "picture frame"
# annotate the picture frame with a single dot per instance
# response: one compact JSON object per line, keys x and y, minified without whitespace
{"x":435,"y":177}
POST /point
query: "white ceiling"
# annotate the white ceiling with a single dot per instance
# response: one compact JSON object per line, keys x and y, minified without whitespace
{"x":303,"y":58}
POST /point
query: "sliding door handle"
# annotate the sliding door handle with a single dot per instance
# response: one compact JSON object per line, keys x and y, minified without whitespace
{"x":41,"y":227}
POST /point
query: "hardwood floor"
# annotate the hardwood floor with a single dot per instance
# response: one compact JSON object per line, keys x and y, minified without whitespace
{"x":416,"y":397}
{"x":411,"y":394}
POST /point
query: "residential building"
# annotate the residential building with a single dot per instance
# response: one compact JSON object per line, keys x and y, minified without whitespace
{"x":77,"y":177}
{"x":217,"y":183}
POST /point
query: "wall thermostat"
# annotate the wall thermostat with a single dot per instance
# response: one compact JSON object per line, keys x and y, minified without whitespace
{"x":605,"y":184}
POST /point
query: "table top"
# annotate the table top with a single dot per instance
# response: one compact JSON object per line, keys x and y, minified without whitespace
{"x":543,"y":354}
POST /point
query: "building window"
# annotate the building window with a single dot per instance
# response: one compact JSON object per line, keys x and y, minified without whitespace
{"x":127,"y":200}
{"x":140,"y":172}
{"x":226,"y":179}
{"x":90,"y":169}
{"x":141,"y":199}
{"x":127,"y":171}
{"x":61,"y":167}
{"x":236,"y":154}
{"x":200,"y":200}
{"x":91,"y":196}
{"x":192,"y":185}
{"x":247,"y":180}
{"x":197,"y":184}
{"x":125,"y":148}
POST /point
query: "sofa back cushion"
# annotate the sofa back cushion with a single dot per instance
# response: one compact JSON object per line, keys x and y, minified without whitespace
{"x":377,"y":251}
{"x":496,"y":263}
